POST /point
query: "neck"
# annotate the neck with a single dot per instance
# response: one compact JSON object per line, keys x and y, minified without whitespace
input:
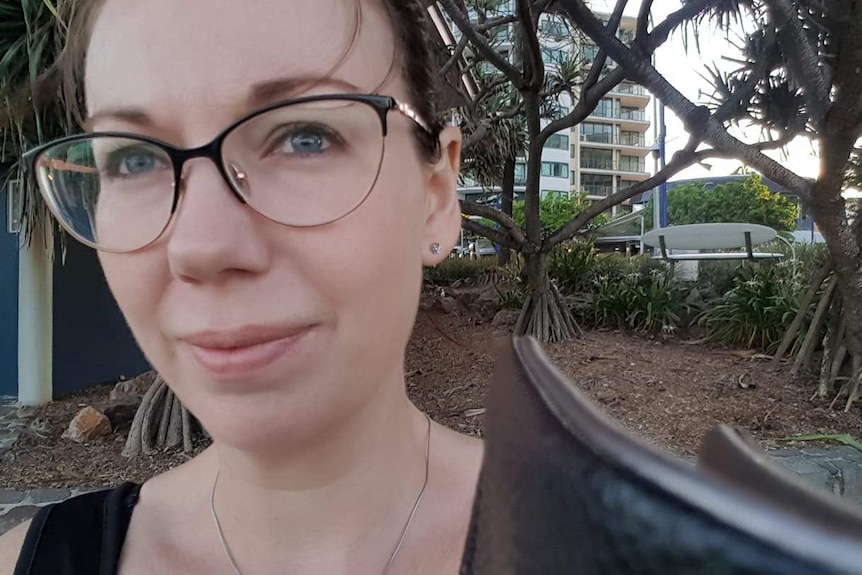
{"x":351,"y":489}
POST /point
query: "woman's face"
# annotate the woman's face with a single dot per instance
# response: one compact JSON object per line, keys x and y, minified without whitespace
{"x":267,"y":332}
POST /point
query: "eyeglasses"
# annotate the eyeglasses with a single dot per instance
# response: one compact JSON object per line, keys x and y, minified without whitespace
{"x":303,"y":163}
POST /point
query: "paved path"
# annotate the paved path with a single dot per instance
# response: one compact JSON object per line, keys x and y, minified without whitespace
{"x":837,"y":469}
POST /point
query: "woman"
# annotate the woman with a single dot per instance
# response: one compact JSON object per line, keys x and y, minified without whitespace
{"x":258,"y":273}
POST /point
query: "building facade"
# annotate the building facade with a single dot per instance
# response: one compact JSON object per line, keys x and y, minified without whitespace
{"x":610,"y":149}
{"x":606,"y":153}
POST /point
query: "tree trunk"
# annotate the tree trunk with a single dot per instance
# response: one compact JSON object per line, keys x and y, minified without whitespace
{"x":545,"y":314}
{"x":507,"y":196}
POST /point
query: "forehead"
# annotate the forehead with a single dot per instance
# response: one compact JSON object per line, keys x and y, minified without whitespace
{"x":161,"y":55}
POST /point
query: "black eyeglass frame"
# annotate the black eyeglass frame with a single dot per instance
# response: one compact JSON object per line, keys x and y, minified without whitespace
{"x":213,"y":151}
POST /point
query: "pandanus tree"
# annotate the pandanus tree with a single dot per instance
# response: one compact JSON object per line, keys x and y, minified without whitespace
{"x":797,"y":76}
{"x":534,"y":80}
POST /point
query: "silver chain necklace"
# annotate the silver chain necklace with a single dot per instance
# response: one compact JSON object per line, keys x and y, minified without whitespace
{"x":403,"y":536}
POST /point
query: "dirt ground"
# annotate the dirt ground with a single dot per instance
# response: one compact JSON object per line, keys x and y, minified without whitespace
{"x":669,"y":391}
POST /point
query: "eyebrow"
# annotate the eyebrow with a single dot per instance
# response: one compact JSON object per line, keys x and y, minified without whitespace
{"x":259,"y":94}
{"x":269,"y":90}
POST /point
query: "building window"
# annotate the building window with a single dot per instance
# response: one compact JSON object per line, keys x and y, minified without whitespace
{"x":520,"y":173}
{"x":554,"y":28}
{"x":558,"y":142}
{"x":597,"y":185}
{"x":632,"y":139}
{"x":631,"y":164}
{"x":602,"y":133}
{"x":597,"y":159}
{"x":605,"y":108}
{"x":589,"y":53}
{"x":555,"y":170}
{"x":637,"y":114}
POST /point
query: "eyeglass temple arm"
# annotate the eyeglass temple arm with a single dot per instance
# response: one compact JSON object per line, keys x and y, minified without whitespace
{"x":408,"y":111}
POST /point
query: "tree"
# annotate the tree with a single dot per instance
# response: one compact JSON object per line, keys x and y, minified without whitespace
{"x":32,"y":107}
{"x":536,"y":80}
{"x":797,"y":76}
{"x":556,"y":210}
{"x":747,"y":200}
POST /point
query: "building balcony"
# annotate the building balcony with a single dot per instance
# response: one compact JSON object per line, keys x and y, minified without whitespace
{"x":592,"y":164}
{"x":630,"y":94}
{"x":636,"y":141}
{"x":597,"y":191}
{"x":629,"y":120}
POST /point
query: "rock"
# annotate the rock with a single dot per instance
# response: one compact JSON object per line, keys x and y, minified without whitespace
{"x":449,"y":305}
{"x":89,"y":424}
{"x":489,"y":296}
{"x":121,"y":412}
{"x":443,"y":305}
{"x":134,"y":388}
{"x":505,"y":318}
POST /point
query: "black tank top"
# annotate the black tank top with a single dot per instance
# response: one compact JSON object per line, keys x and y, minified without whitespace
{"x":83,"y":535}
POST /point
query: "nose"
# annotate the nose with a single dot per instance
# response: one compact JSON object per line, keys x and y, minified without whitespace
{"x":213,"y":235}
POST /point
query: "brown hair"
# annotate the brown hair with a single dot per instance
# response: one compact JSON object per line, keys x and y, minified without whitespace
{"x":413,"y":53}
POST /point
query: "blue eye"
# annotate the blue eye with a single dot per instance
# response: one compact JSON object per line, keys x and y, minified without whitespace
{"x":306,"y":140}
{"x":136,"y":163}
{"x":307,"y":143}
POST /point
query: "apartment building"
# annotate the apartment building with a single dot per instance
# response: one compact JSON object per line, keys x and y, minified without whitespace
{"x":610,"y":149}
{"x":606,"y":153}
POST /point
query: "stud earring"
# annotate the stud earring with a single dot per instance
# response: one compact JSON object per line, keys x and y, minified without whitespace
{"x":435,"y":248}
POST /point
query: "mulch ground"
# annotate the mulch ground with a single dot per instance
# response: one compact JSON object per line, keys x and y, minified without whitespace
{"x":668,"y":391}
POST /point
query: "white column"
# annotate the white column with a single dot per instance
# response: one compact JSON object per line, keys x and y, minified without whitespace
{"x":35,"y":321}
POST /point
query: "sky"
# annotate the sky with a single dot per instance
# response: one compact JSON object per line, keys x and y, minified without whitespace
{"x":685,"y":70}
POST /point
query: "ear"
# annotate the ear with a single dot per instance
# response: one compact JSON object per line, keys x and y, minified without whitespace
{"x":442,"y":208}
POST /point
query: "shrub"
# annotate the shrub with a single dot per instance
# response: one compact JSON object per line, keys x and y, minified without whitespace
{"x":452,"y":270}
{"x":648,"y":301}
{"x":573,"y":266}
{"x":758,"y":310}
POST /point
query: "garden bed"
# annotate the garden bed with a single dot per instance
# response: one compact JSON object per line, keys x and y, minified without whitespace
{"x":666,"y":390}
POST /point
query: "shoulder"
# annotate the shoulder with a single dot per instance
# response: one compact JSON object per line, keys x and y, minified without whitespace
{"x":11,"y":543}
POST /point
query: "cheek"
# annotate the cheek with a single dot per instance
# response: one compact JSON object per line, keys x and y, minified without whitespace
{"x":136,"y":282}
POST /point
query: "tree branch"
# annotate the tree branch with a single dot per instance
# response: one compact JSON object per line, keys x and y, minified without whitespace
{"x":690,"y":10}
{"x":480,"y":44}
{"x":532,"y":59}
{"x":496,"y":236}
{"x":643,"y":20}
{"x":590,"y":96}
{"x":514,"y":232}
{"x":681,"y":160}
{"x":696,"y":119}
{"x":455,"y":57}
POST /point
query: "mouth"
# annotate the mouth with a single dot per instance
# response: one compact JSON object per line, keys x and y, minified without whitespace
{"x":244,"y":352}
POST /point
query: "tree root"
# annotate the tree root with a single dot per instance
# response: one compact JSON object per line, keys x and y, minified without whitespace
{"x":161,"y":422}
{"x":840,"y":361}
{"x":546,"y":317}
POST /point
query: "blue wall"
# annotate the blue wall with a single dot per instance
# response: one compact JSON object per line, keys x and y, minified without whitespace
{"x":92,"y":343}
{"x":8,"y":301}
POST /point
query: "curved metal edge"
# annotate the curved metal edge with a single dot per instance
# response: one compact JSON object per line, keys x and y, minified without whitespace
{"x":723,"y":500}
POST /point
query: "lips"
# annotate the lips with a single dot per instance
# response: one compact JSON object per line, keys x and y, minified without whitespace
{"x":243,"y":352}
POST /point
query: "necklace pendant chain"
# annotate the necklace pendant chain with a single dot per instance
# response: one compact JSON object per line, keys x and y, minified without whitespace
{"x":401,"y":538}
